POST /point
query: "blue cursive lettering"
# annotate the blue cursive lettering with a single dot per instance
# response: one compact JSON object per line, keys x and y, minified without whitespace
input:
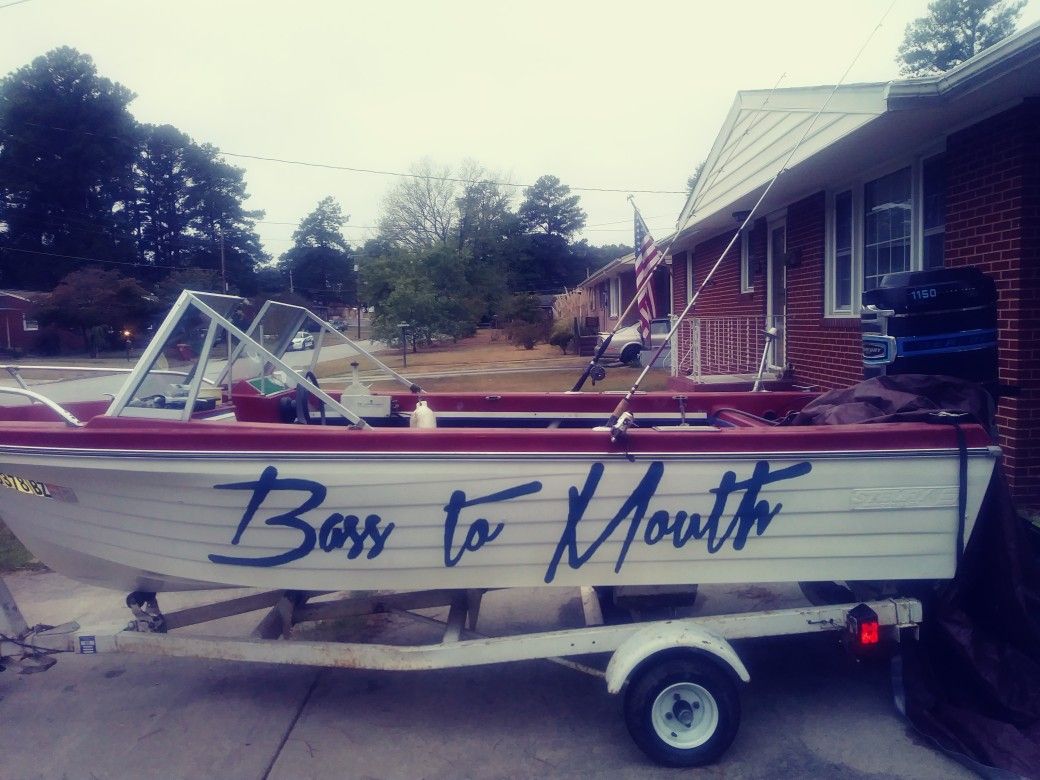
{"x":335,"y":533}
{"x":480,"y":531}
{"x":751,"y":515}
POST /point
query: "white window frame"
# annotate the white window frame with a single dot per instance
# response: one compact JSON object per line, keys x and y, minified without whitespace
{"x":29,"y":323}
{"x":747,"y":283}
{"x":916,"y":165}
{"x":614,"y":296}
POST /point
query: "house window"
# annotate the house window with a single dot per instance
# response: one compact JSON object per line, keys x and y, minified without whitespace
{"x":29,"y":324}
{"x":933,"y":177}
{"x":747,"y":278}
{"x":886,"y":227}
{"x":890,"y":224}
{"x":615,"y":296}
{"x":842,"y":287}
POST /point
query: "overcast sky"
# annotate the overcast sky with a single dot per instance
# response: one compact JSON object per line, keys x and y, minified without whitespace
{"x":602,"y":94}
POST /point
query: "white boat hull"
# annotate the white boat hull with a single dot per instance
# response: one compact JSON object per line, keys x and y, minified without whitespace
{"x":166,"y":521}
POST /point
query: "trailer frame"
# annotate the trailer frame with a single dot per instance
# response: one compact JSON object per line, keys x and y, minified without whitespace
{"x":679,"y":671}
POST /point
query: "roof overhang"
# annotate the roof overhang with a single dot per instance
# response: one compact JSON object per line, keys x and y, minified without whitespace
{"x":838,"y":135}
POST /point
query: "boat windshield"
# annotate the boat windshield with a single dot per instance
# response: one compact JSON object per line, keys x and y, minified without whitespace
{"x":204,"y":350}
{"x":176,"y":373}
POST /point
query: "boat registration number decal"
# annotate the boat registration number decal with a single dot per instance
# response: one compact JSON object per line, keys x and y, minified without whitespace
{"x":33,"y":488}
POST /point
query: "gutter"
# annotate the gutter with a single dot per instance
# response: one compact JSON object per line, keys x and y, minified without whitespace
{"x":1014,"y":52}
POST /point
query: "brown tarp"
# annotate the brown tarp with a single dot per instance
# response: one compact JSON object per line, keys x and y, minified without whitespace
{"x":904,"y":397}
{"x":972,"y":682}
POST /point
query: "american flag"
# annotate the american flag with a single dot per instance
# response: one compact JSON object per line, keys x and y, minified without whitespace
{"x":647,"y":257}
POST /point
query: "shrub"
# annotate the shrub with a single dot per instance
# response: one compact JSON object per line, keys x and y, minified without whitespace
{"x":48,"y":341}
{"x":526,"y":334}
{"x":561,"y":339}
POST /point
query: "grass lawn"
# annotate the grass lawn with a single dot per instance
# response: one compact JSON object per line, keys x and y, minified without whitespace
{"x":618,"y":379}
{"x":492,"y":363}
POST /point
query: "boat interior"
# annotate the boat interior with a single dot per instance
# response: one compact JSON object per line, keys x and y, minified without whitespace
{"x":205,"y":362}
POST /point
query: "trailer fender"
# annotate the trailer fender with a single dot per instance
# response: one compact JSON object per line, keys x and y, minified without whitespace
{"x":665,"y":637}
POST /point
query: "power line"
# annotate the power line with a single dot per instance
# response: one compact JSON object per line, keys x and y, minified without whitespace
{"x":374,"y":171}
{"x":378,"y":172}
{"x":297,"y":224}
{"x":15,"y":2}
{"x":145,"y":266}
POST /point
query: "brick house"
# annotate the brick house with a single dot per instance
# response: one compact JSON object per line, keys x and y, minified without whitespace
{"x":608,"y":291}
{"x":18,"y":325}
{"x":902,"y":175}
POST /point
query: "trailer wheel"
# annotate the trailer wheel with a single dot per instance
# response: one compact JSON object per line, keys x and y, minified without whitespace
{"x":682,"y":712}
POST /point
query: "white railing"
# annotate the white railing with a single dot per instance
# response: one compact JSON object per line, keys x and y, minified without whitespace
{"x":722,"y":346}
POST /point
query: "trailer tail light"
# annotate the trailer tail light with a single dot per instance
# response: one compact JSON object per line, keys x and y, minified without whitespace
{"x":862,"y":632}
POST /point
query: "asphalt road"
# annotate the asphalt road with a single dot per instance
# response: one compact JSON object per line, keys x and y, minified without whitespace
{"x":809,"y":711}
{"x":64,"y":387}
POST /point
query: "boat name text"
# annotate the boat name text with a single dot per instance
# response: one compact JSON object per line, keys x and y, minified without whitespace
{"x":634,"y":518}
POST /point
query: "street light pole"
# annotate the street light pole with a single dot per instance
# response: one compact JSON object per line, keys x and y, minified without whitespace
{"x":357,"y":300}
{"x":223,"y":267}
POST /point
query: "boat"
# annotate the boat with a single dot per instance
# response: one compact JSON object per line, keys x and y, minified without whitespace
{"x":219,"y":464}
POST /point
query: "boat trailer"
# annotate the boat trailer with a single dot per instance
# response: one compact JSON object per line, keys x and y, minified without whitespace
{"x":679,"y":677}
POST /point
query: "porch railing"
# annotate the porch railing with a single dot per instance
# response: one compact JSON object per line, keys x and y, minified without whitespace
{"x":722,"y":346}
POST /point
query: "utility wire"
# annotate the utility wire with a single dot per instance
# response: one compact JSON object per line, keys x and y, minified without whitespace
{"x":333,"y":167}
{"x":15,"y":2}
{"x":375,"y":171}
{"x":145,"y":266}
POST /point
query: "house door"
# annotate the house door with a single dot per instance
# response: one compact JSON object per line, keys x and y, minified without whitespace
{"x":776,"y":290}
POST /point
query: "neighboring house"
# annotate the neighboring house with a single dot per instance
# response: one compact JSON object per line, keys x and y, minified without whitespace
{"x":903,"y":175}
{"x":18,"y":325}
{"x":609,"y":291}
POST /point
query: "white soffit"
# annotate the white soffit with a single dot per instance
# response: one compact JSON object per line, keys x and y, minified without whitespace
{"x":764,"y":126}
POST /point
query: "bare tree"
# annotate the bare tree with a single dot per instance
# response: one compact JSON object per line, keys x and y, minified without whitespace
{"x":484,"y":206}
{"x":421,"y":211}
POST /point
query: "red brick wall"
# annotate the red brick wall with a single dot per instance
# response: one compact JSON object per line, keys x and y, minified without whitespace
{"x":722,"y":297}
{"x":679,"y":301}
{"x":599,"y":301}
{"x":993,"y":223}
{"x":825,"y":353}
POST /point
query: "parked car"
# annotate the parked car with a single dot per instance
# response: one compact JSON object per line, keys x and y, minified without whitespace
{"x":627,"y":342}
{"x":302,"y":340}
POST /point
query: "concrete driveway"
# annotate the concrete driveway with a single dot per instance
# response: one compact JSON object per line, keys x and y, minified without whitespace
{"x":809,"y":710}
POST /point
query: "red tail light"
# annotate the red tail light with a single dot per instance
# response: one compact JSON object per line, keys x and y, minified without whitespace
{"x":868,"y":633}
{"x":861,"y":628}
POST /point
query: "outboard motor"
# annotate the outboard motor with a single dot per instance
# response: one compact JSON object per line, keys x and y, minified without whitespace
{"x":942,"y":321}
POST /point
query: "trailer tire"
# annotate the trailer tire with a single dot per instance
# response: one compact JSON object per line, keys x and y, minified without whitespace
{"x":682,"y":711}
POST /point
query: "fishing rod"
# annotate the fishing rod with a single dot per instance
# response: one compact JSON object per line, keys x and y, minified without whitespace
{"x":641,"y":286}
{"x":621,"y":418}
{"x":647,"y":278}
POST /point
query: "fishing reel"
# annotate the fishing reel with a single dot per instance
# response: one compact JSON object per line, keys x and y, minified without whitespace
{"x":597,"y":373}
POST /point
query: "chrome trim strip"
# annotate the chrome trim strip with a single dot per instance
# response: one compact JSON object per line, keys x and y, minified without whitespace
{"x":975,"y":452}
